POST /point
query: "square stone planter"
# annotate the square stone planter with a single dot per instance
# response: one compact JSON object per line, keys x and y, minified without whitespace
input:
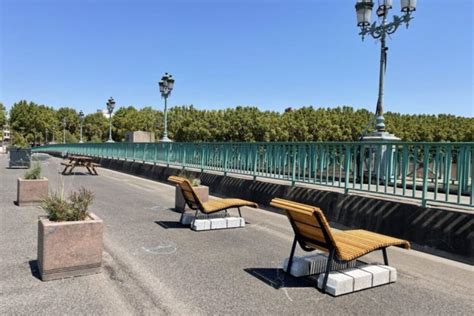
{"x":31,"y":192}
{"x":180,"y":204}
{"x":68,"y":249}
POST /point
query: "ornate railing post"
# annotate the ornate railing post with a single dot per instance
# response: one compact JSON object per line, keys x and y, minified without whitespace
{"x":293,"y":166}
{"x":255,"y":159}
{"x":426,"y":156}
{"x":347,"y":163}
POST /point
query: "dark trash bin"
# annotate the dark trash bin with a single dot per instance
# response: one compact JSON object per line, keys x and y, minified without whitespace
{"x":20,"y":157}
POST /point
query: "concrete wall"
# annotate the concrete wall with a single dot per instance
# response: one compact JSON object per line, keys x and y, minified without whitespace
{"x":439,"y":231}
{"x":139,"y":137}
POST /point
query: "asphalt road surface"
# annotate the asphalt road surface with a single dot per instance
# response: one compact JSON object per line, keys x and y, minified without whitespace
{"x":153,"y":265}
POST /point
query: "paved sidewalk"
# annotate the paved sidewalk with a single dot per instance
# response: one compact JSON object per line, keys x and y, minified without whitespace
{"x":152,"y":265}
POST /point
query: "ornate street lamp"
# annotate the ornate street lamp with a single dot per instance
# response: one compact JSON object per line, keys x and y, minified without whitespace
{"x":81,"y":119}
{"x":364,"y":12}
{"x":64,"y":130}
{"x":166,"y":85}
{"x":110,"y":110}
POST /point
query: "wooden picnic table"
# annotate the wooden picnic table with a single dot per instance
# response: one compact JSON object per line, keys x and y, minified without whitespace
{"x":79,"y":161}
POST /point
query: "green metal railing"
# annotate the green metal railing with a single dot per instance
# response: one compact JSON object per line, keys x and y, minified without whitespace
{"x":441,"y":172}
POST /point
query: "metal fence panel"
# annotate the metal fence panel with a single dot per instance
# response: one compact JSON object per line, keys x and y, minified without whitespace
{"x":441,"y":172}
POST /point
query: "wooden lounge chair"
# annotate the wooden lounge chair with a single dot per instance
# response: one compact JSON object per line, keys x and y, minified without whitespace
{"x":312,"y":232}
{"x":211,"y":206}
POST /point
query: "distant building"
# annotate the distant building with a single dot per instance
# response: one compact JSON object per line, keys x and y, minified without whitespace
{"x":6,"y":136}
{"x":139,"y":137}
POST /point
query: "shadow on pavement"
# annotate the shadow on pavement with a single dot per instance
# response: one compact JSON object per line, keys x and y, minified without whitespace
{"x":171,"y":224}
{"x":34,"y":269}
{"x":277,"y":278}
{"x":77,"y":174}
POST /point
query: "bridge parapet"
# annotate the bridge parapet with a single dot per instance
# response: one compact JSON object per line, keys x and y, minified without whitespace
{"x":425,"y":171}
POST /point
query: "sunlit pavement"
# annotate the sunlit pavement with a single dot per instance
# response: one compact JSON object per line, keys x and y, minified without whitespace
{"x":153,"y":265}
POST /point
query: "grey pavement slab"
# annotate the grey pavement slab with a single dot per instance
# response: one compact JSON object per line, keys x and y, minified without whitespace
{"x":154,"y":265}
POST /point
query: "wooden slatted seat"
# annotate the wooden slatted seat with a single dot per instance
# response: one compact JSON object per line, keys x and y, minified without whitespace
{"x":211,"y":206}
{"x":312,"y":231}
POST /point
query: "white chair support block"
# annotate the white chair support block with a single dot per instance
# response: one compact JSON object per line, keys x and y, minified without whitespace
{"x":379,"y":275}
{"x":212,"y":223}
{"x":338,"y":283}
{"x":356,"y":279}
{"x":218,"y":223}
{"x":187,"y":218}
{"x":201,"y":224}
{"x":234,"y":222}
{"x":313,"y":264}
{"x":392,"y":272}
{"x":299,"y":267}
{"x":361,"y":279}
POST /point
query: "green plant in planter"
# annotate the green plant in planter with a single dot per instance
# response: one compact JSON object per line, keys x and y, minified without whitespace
{"x":195,"y":182}
{"x":74,"y":209}
{"x":34,"y":173}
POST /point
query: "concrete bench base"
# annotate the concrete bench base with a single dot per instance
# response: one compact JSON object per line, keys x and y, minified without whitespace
{"x":356,"y":279}
{"x":188,"y":218}
{"x":217,"y":223}
{"x":313,"y":264}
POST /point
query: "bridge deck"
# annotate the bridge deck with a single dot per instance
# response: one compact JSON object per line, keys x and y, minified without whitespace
{"x":152,"y":265}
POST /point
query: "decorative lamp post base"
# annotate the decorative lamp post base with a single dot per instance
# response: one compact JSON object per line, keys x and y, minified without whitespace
{"x":381,"y":156}
{"x":165,"y":139}
{"x":380,"y":136}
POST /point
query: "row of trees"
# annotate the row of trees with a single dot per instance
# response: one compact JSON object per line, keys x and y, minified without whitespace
{"x":3,"y":115}
{"x":32,"y":122}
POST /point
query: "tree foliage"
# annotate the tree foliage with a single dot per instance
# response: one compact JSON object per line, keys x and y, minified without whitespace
{"x":3,"y":115}
{"x":3,"y":119}
{"x":239,"y":124}
{"x":95,"y":127}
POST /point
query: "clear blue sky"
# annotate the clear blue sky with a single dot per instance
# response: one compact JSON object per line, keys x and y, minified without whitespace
{"x":266,"y":53}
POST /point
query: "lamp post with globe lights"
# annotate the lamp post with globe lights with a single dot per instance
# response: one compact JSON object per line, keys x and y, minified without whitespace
{"x":64,"y":130}
{"x":110,"y":110}
{"x":81,"y":119}
{"x":381,"y":31}
{"x":166,"y":86}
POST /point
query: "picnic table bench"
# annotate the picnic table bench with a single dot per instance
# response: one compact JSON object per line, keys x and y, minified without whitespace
{"x":79,"y":161}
